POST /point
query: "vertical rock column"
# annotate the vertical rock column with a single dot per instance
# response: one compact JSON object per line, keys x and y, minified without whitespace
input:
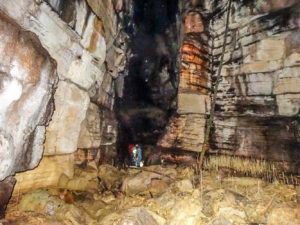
{"x":186,"y":129}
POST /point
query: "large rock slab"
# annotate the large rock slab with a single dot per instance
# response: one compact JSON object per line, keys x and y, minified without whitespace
{"x":46,"y":174}
{"x":254,"y":137}
{"x":133,"y":216}
{"x":154,"y":180}
{"x":288,"y":104}
{"x":27,"y":84}
{"x":193,"y":103}
{"x":104,"y":10}
{"x":284,"y":216}
{"x":70,"y":110}
{"x":185,"y":132}
{"x":91,"y":130}
{"x":43,"y":203}
{"x":78,"y":56}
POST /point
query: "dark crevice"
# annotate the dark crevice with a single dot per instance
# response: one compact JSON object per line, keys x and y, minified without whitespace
{"x":151,"y":83}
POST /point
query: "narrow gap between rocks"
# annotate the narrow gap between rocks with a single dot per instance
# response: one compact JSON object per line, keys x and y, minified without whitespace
{"x":81,"y":81}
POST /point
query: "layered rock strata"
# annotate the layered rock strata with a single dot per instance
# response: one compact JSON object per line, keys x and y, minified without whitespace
{"x":53,"y":61}
{"x":258,"y":99}
{"x":257,"y":108}
{"x":186,"y":128}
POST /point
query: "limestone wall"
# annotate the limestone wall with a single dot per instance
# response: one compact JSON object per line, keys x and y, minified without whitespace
{"x":56,"y":85}
{"x":27,"y":82}
{"x":258,"y":99}
{"x":257,"y":109}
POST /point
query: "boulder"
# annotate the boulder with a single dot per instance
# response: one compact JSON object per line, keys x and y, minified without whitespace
{"x":284,"y":216}
{"x":187,"y":211}
{"x":110,"y":177}
{"x":41,"y":201}
{"x":132,"y":216}
{"x":153,"y":183}
{"x":47,"y":174}
{"x":184,"y":186}
{"x":225,"y":205}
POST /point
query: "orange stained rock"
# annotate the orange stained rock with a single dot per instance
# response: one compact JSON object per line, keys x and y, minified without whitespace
{"x":191,"y":67}
{"x":195,"y":48}
{"x":193,"y":23}
{"x":31,"y":60}
{"x":194,"y":82}
{"x":193,"y":59}
{"x":21,"y":52}
{"x":98,"y":29}
{"x":190,"y":48}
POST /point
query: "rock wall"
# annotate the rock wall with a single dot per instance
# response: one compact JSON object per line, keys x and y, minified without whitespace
{"x":187,"y":126}
{"x":257,"y":109}
{"x":27,"y":83}
{"x":56,"y":85}
{"x":258,"y":101}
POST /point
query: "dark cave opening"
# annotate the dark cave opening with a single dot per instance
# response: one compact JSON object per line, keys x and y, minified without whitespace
{"x":150,"y":84}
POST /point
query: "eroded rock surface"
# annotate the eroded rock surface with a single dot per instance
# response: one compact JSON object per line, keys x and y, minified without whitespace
{"x":186,"y":129}
{"x":6,"y":189}
{"x":257,"y":105}
{"x":46,"y":46}
{"x":187,"y":199}
{"x":27,"y":83}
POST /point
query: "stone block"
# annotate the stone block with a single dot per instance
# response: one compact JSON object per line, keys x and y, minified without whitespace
{"x":270,"y":49}
{"x":71,"y":104}
{"x":84,"y":72}
{"x":90,"y":131}
{"x":78,"y":57}
{"x":270,"y":54}
{"x":193,"y":23}
{"x":46,"y":174}
{"x":292,"y":60}
{"x":261,"y":66}
{"x":288,"y":81}
{"x":271,"y":44}
{"x":104,"y":10}
{"x":288,"y":104}
{"x":253,"y":84}
{"x":185,"y":132}
{"x":193,"y":103}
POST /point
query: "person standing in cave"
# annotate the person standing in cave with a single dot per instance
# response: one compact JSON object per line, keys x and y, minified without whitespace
{"x":130,"y":150}
{"x":137,"y":156}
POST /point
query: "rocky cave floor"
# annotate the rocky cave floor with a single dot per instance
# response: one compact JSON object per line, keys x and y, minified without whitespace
{"x":158,"y":194}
